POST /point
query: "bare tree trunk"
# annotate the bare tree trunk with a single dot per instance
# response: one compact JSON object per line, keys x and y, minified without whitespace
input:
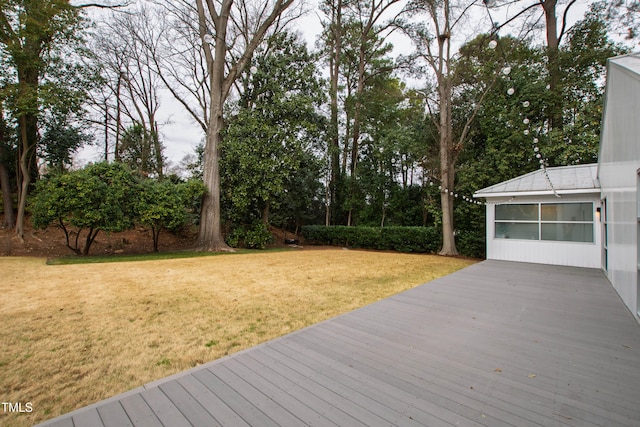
{"x":28,"y":136}
{"x":553,"y":64}
{"x":8,"y":220}
{"x":265,"y":213}
{"x":447,"y":168}
{"x":210,"y":237}
{"x":5,"y":184}
{"x":355,"y":146}
{"x":334,"y":73}
{"x":447,"y":160}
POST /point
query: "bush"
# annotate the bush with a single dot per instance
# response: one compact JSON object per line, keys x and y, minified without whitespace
{"x":256,"y":236}
{"x":97,"y":198}
{"x":402,"y":239}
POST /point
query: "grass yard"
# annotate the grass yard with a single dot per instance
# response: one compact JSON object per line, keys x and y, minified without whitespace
{"x":75,"y":334}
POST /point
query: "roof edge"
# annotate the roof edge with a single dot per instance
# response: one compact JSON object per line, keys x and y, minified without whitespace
{"x":478,"y":195}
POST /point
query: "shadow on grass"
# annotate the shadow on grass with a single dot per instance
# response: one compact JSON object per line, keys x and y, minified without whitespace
{"x":99,"y":259}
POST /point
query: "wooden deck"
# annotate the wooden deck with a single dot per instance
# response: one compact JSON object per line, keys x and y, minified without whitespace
{"x":496,"y":344}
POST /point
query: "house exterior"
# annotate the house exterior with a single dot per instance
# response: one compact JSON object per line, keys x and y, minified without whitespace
{"x":584,"y":215}
{"x":529,"y":220}
{"x":619,"y":175}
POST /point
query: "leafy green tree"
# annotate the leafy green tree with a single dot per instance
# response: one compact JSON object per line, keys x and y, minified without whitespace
{"x":583,"y":61}
{"x":138,"y":150}
{"x":501,"y":145}
{"x":59,"y":142}
{"x":166,"y":205}
{"x":224,"y":68}
{"x":435,"y":40}
{"x":38,"y":43}
{"x":274,"y":128}
{"x":97,"y":198}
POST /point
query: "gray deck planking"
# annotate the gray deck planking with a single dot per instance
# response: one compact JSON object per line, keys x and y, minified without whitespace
{"x":139,"y":412}
{"x":496,"y":344}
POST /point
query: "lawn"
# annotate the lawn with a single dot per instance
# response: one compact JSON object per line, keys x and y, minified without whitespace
{"x":75,"y":334}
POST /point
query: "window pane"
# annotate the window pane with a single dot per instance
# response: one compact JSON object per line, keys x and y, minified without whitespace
{"x":516,"y":230}
{"x":568,"y":232}
{"x":517,"y":212}
{"x":567,"y":211}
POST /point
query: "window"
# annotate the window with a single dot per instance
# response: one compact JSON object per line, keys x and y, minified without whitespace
{"x":518,"y":221}
{"x":566,"y":222}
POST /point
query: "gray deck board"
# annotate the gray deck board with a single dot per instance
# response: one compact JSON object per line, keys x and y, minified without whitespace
{"x":112,"y":414}
{"x":139,"y":412}
{"x":164,"y":408}
{"x":211,"y":402}
{"x":187,"y":405}
{"x":496,"y":344}
{"x":277,"y":371}
{"x":240,"y":404}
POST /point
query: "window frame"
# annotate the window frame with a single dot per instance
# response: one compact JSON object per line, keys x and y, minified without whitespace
{"x":540,"y":222}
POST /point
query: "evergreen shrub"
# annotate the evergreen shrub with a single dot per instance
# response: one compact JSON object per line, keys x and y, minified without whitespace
{"x":402,"y":239}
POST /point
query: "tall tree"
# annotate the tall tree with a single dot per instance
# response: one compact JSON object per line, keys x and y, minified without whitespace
{"x":366,"y":21}
{"x":38,"y":39}
{"x":556,"y":15}
{"x":125,"y":44}
{"x":333,"y":33}
{"x":435,"y":45}
{"x":222,"y":75}
{"x":273,"y":131}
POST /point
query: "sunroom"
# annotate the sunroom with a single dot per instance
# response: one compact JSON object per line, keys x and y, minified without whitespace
{"x":549,"y":216}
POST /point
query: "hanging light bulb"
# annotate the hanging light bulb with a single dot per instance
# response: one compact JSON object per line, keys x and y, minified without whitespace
{"x":525,"y":104}
{"x":538,"y":155}
{"x":536,"y":149}
{"x":506,"y":71}
{"x":526,"y":121}
{"x":493,"y":44}
{"x":535,"y":140}
{"x":511,"y":91}
{"x":526,"y":131}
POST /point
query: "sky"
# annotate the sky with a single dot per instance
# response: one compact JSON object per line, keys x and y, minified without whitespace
{"x":180,"y":134}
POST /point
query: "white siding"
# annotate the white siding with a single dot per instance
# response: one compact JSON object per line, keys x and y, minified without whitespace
{"x":546,"y":252}
{"x":618,"y":165}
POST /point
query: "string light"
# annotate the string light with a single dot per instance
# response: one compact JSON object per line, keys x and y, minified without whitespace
{"x":506,"y":72}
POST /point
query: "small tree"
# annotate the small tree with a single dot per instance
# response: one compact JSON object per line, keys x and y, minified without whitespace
{"x":165,"y":205}
{"x":96,"y":198}
{"x":59,"y":142}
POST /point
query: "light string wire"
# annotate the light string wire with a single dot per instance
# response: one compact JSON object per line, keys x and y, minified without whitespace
{"x":506,"y":72}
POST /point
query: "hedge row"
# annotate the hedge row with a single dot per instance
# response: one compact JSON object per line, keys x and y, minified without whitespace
{"x":402,"y":239}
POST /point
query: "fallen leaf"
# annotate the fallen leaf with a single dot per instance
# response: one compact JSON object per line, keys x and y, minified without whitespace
{"x":497,"y":370}
{"x":532,"y":375}
{"x":626,"y":346}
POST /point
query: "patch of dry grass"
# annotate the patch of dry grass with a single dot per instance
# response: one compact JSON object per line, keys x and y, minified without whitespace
{"x":75,"y":334}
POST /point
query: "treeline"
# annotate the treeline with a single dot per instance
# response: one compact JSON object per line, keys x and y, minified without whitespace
{"x":294,"y":136}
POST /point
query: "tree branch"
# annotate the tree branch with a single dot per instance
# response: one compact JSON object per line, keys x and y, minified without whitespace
{"x":564,"y":20}
{"x":103,"y":6}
